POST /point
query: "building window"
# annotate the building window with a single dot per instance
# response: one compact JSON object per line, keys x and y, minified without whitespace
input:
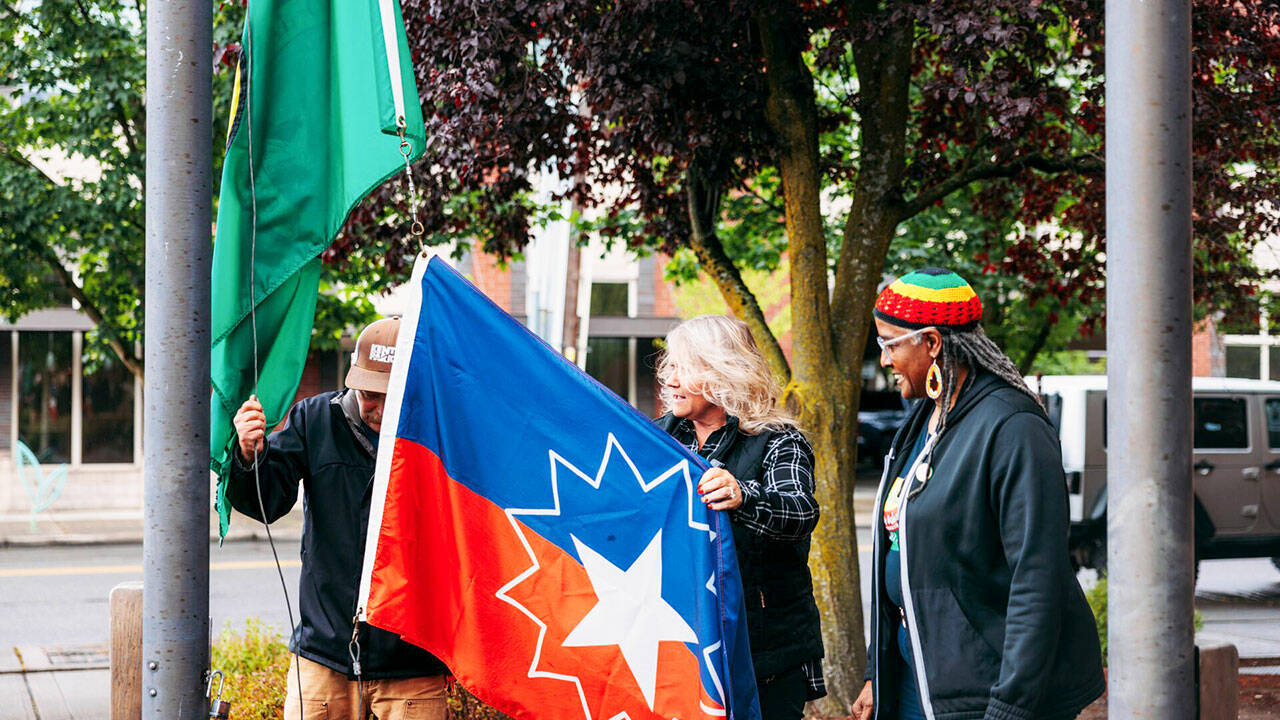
{"x":107,"y":407}
{"x":610,"y":299}
{"x":648,"y":394}
{"x":609,"y":361}
{"x":6,"y":389}
{"x":626,"y":365}
{"x":44,"y":394}
{"x":1244,"y":361}
{"x":68,"y":410}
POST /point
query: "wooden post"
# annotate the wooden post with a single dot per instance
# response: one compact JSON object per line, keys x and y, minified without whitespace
{"x":126,"y":651}
{"x":1219,"y":691}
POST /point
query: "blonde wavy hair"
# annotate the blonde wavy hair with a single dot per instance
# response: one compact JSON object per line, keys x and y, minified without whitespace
{"x":717,"y":358}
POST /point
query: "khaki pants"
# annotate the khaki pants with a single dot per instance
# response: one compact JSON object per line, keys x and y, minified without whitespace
{"x":329,"y":695}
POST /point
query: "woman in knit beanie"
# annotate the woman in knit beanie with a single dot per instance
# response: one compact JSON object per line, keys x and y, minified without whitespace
{"x":976,"y":612}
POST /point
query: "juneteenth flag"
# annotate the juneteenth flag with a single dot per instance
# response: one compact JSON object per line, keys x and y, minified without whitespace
{"x":315,"y":129}
{"x":539,"y":535}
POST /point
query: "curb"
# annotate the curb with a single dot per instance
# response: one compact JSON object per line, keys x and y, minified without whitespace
{"x":127,"y":528}
{"x":132,"y":538}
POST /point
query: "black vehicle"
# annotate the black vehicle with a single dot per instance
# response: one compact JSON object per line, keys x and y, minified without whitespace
{"x":880,"y":414}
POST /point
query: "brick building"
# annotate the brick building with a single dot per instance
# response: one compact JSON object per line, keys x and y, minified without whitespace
{"x":1252,"y":352}
{"x":624,"y":307}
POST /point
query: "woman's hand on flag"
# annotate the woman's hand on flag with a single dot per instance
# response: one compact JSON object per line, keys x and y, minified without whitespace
{"x":720,"y":489}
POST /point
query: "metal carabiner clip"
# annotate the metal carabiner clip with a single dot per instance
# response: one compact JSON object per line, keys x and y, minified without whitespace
{"x":219,"y":709}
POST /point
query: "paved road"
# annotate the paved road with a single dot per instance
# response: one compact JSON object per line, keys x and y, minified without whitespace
{"x":58,"y":595}
{"x":55,"y":599}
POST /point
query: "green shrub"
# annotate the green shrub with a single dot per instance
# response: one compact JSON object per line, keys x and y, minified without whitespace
{"x":254,"y":664}
{"x":256,"y":661}
{"x":1097,"y":597}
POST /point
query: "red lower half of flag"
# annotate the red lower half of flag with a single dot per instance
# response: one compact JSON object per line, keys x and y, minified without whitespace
{"x":443,"y":579}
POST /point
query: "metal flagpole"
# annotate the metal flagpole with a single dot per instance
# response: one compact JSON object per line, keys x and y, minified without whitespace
{"x":175,"y":603}
{"x":1149,"y":514}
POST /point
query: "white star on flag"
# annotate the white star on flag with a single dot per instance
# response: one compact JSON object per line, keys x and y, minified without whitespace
{"x":630,"y":612}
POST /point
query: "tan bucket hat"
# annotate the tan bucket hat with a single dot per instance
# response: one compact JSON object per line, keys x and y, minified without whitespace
{"x":375,"y":351}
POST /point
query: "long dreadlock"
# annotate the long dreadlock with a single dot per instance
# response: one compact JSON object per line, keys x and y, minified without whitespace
{"x":971,"y":349}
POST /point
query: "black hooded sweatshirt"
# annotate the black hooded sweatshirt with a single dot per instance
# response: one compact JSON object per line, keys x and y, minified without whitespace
{"x":322,"y":446}
{"x":999,"y":627}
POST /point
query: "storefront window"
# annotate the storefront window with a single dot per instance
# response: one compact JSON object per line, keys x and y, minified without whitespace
{"x":108,"y":414}
{"x":44,"y":394}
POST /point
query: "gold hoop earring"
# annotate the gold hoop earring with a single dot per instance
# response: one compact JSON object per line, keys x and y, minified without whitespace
{"x":933,"y":382}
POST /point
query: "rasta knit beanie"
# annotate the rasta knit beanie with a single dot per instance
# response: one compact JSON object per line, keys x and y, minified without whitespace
{"x":931,"y":297}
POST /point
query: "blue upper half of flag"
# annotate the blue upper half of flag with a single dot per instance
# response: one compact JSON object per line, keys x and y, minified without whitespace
{"x":520,"y":425}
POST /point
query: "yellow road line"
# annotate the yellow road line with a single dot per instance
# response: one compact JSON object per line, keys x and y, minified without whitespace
{"x":137,"y":569}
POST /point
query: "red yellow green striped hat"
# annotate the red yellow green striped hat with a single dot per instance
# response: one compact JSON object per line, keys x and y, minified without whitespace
{"x":931,"y":297}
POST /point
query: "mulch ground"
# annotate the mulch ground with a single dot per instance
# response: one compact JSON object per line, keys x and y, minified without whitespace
{"x":1259,"y":700}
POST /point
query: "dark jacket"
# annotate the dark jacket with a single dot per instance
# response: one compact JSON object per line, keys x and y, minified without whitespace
{"x":999,"y":625}
{"x":321,"y":445}
{"x":782,"y":616}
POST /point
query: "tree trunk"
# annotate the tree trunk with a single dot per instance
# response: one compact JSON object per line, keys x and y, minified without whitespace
{"x":825,"y":389}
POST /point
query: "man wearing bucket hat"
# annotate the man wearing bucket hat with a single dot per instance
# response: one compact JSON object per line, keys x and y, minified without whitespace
{"x":328,"y":445}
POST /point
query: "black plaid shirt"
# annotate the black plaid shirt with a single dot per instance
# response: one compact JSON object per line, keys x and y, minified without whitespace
{"x":781,"y":505}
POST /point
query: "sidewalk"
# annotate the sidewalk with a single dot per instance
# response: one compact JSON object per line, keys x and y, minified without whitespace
{"x":69,"y":682}
{"x":125,"y":526}
{"x":864,"y":501}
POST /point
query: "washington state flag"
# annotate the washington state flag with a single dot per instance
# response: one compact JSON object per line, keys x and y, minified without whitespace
{"x":319,"y":97}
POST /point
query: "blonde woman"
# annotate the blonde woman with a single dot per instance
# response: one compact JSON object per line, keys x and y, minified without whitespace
{"x":722,"y":403}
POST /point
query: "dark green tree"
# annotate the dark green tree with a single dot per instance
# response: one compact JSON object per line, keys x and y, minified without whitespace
{"x":72,"y":161}
{"x":72,"y":124}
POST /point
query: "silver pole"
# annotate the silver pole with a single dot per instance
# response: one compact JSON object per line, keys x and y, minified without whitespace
{"x":175,"y":601}
{"x":1149,"y":515}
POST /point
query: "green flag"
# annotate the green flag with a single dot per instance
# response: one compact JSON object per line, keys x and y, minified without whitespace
{"x":325,"y":84}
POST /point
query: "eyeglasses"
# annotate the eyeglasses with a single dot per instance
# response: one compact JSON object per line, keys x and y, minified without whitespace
{"x":886,"y":346}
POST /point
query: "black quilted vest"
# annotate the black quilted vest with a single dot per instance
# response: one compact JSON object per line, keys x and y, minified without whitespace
{"x":782,"y":617}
